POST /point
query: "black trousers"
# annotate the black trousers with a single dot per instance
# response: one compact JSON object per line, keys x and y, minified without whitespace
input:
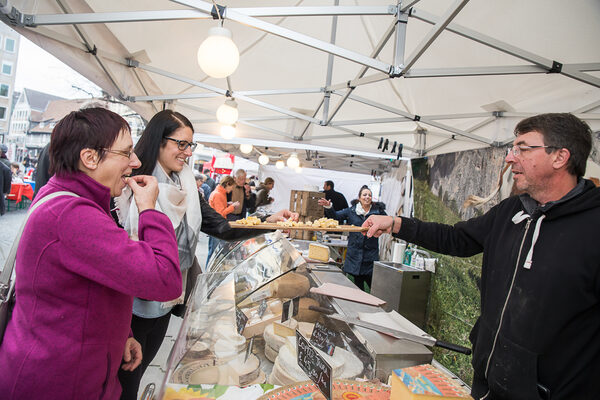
{"x":360,"y":280}
{"x":150,"y":332}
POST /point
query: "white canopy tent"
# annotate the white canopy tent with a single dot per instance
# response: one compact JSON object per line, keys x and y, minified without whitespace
{"x":433,"y":76}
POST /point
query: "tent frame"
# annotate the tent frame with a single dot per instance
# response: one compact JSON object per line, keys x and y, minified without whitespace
{"x":401,"y":66}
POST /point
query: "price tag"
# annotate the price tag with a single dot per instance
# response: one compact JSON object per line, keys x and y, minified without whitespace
{"x":240,"y":320}
{"x":323,"y":338}
{"x":314,"y":365}
{"x":290,"y":309}
{"x":262,"y":308}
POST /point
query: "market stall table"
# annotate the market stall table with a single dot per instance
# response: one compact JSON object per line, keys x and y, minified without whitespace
{"x":17,"y":191}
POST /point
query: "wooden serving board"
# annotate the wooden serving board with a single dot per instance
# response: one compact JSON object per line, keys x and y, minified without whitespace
{"x":264,"y":225}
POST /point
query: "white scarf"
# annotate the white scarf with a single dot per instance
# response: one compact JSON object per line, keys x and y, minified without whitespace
{"x":175,"y":203}
{"x":360,"y":210}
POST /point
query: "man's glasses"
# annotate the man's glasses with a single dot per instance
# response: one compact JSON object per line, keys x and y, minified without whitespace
{"x":184,"y":144}
{"x":124,"y":153}
{"x":519,"y":148}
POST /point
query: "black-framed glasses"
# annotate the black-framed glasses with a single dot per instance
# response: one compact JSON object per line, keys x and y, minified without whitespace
{"x":519,"y":148}
{"x":184,"y":144}
{"x":124,"y":153}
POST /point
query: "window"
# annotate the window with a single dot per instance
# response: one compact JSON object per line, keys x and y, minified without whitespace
{"x":9,"y":45}
{"x":7,"y":68}
{"x":2,"y":112}
{"x":3,"y":90}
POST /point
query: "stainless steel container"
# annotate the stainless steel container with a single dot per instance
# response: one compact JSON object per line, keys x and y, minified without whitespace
{"x":405,"y":289}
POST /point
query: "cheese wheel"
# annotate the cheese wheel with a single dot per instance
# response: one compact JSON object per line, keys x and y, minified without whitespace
{"x":318,"y":251}
{"x":270,"y":353}
{"x":291,"y":285}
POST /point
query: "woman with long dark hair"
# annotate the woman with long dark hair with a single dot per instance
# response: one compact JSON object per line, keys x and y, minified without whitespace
{"x":362,"y":251}
{"x":164,"y":148}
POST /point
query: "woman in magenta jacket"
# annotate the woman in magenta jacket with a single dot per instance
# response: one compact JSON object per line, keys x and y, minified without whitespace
{"x":77,"y":271}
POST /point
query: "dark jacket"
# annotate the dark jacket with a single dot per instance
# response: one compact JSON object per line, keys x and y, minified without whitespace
{"x":42,"y":174}
{"x":337,"y":199}
{"x":538,"y":325}
{"x":5,"y":181}
{"x":362,"y":251}
{"x":211,"y":183}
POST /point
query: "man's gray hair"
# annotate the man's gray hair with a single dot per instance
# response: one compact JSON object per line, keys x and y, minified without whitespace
{"x":239,"y":172}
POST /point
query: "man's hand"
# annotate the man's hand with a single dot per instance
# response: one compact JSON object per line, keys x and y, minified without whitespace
{"x":132,"y":355}
{"x":145,"y":191}
{"x":235,"y":204}
{"x":283,"y":215}
{"x":324,"y":202}
{"x":379,"y":224}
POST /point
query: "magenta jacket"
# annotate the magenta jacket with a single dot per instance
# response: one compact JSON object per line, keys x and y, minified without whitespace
{"x":77,"y":273}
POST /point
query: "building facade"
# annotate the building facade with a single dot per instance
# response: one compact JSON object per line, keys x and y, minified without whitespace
{"x":9,"y":52}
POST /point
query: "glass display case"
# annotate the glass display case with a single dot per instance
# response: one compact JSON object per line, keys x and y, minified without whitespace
{"x":232,"y":332}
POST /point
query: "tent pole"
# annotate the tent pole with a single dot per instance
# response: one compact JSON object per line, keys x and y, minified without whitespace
{"x":549,"y":65}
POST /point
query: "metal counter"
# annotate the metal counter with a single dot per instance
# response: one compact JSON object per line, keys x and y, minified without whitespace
{"x":388,"y":353}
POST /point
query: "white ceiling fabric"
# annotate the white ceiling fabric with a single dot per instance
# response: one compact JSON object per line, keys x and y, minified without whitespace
{"x":456,"y":113}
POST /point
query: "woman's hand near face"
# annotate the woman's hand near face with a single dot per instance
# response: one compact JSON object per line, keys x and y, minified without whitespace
{"x":145,"y":191}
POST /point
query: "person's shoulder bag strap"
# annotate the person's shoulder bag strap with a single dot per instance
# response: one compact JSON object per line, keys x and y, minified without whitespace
{"x":6,"y":287}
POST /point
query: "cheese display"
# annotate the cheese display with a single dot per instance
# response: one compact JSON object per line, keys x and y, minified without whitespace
{"x":425,"y":382}
{"x":318,"y":251}
{"x":286,"y":370}
{"x":232,"y":334}
{"x":249,"y":221}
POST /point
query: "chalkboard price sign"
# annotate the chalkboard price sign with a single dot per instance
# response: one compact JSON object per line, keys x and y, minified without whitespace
{"x":240,"y":320}
{"x":323,"y":338}
{"x":294,"y":304}
{"x":314,"y":365}
{"x":262,"y":308}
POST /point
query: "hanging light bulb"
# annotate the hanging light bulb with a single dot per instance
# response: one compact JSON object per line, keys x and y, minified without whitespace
{"x":298,"y":169}
{"x":280,"y":164}
{"x":228,"y":131}
{"x":293,"y":161}
{"x":218,"y":56}
{"x":227,"y":113}
{"x":246,"y":148}
{"x":263,"y":159}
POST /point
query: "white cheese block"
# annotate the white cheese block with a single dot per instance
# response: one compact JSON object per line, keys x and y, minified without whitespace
{"x":318,"y":251}
{"x":270,"y":353}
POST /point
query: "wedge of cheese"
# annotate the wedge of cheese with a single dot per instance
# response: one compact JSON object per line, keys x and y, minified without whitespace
{"x":318,"y":252}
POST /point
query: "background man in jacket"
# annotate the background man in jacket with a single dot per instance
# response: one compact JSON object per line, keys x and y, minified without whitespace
{"x":242,"y":194}
{"x":537,"y":335}
{"x":337,"y":199}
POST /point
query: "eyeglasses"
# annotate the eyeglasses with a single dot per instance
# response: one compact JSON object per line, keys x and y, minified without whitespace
{"x":184,"y":144}
{"x":124,"y":153}
{"x":519,"y":148}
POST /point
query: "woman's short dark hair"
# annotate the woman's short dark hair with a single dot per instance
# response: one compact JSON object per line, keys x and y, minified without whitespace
{"x":90,"y":128}
{"x":562,"y":130}
{"x":227,"y":181}
{"x":161,"y":126}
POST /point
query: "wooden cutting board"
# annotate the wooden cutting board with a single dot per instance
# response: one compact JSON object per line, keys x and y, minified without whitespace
{"x":264,"y":225}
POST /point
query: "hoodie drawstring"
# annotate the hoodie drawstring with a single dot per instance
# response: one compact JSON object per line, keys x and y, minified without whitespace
{"x":518,"y":218}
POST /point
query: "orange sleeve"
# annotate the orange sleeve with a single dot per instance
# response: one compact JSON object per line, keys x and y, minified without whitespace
{"x":219,"y":203}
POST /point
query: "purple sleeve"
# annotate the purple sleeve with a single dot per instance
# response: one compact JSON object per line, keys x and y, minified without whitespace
{"x":93,"y":246}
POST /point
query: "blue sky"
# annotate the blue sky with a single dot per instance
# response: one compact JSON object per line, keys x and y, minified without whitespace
{"x":39,"y":70}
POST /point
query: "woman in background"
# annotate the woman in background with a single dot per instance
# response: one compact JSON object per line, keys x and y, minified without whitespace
{"x":262,"y":196}
{"x":362,"y":251}
{"x":164,"y":149}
